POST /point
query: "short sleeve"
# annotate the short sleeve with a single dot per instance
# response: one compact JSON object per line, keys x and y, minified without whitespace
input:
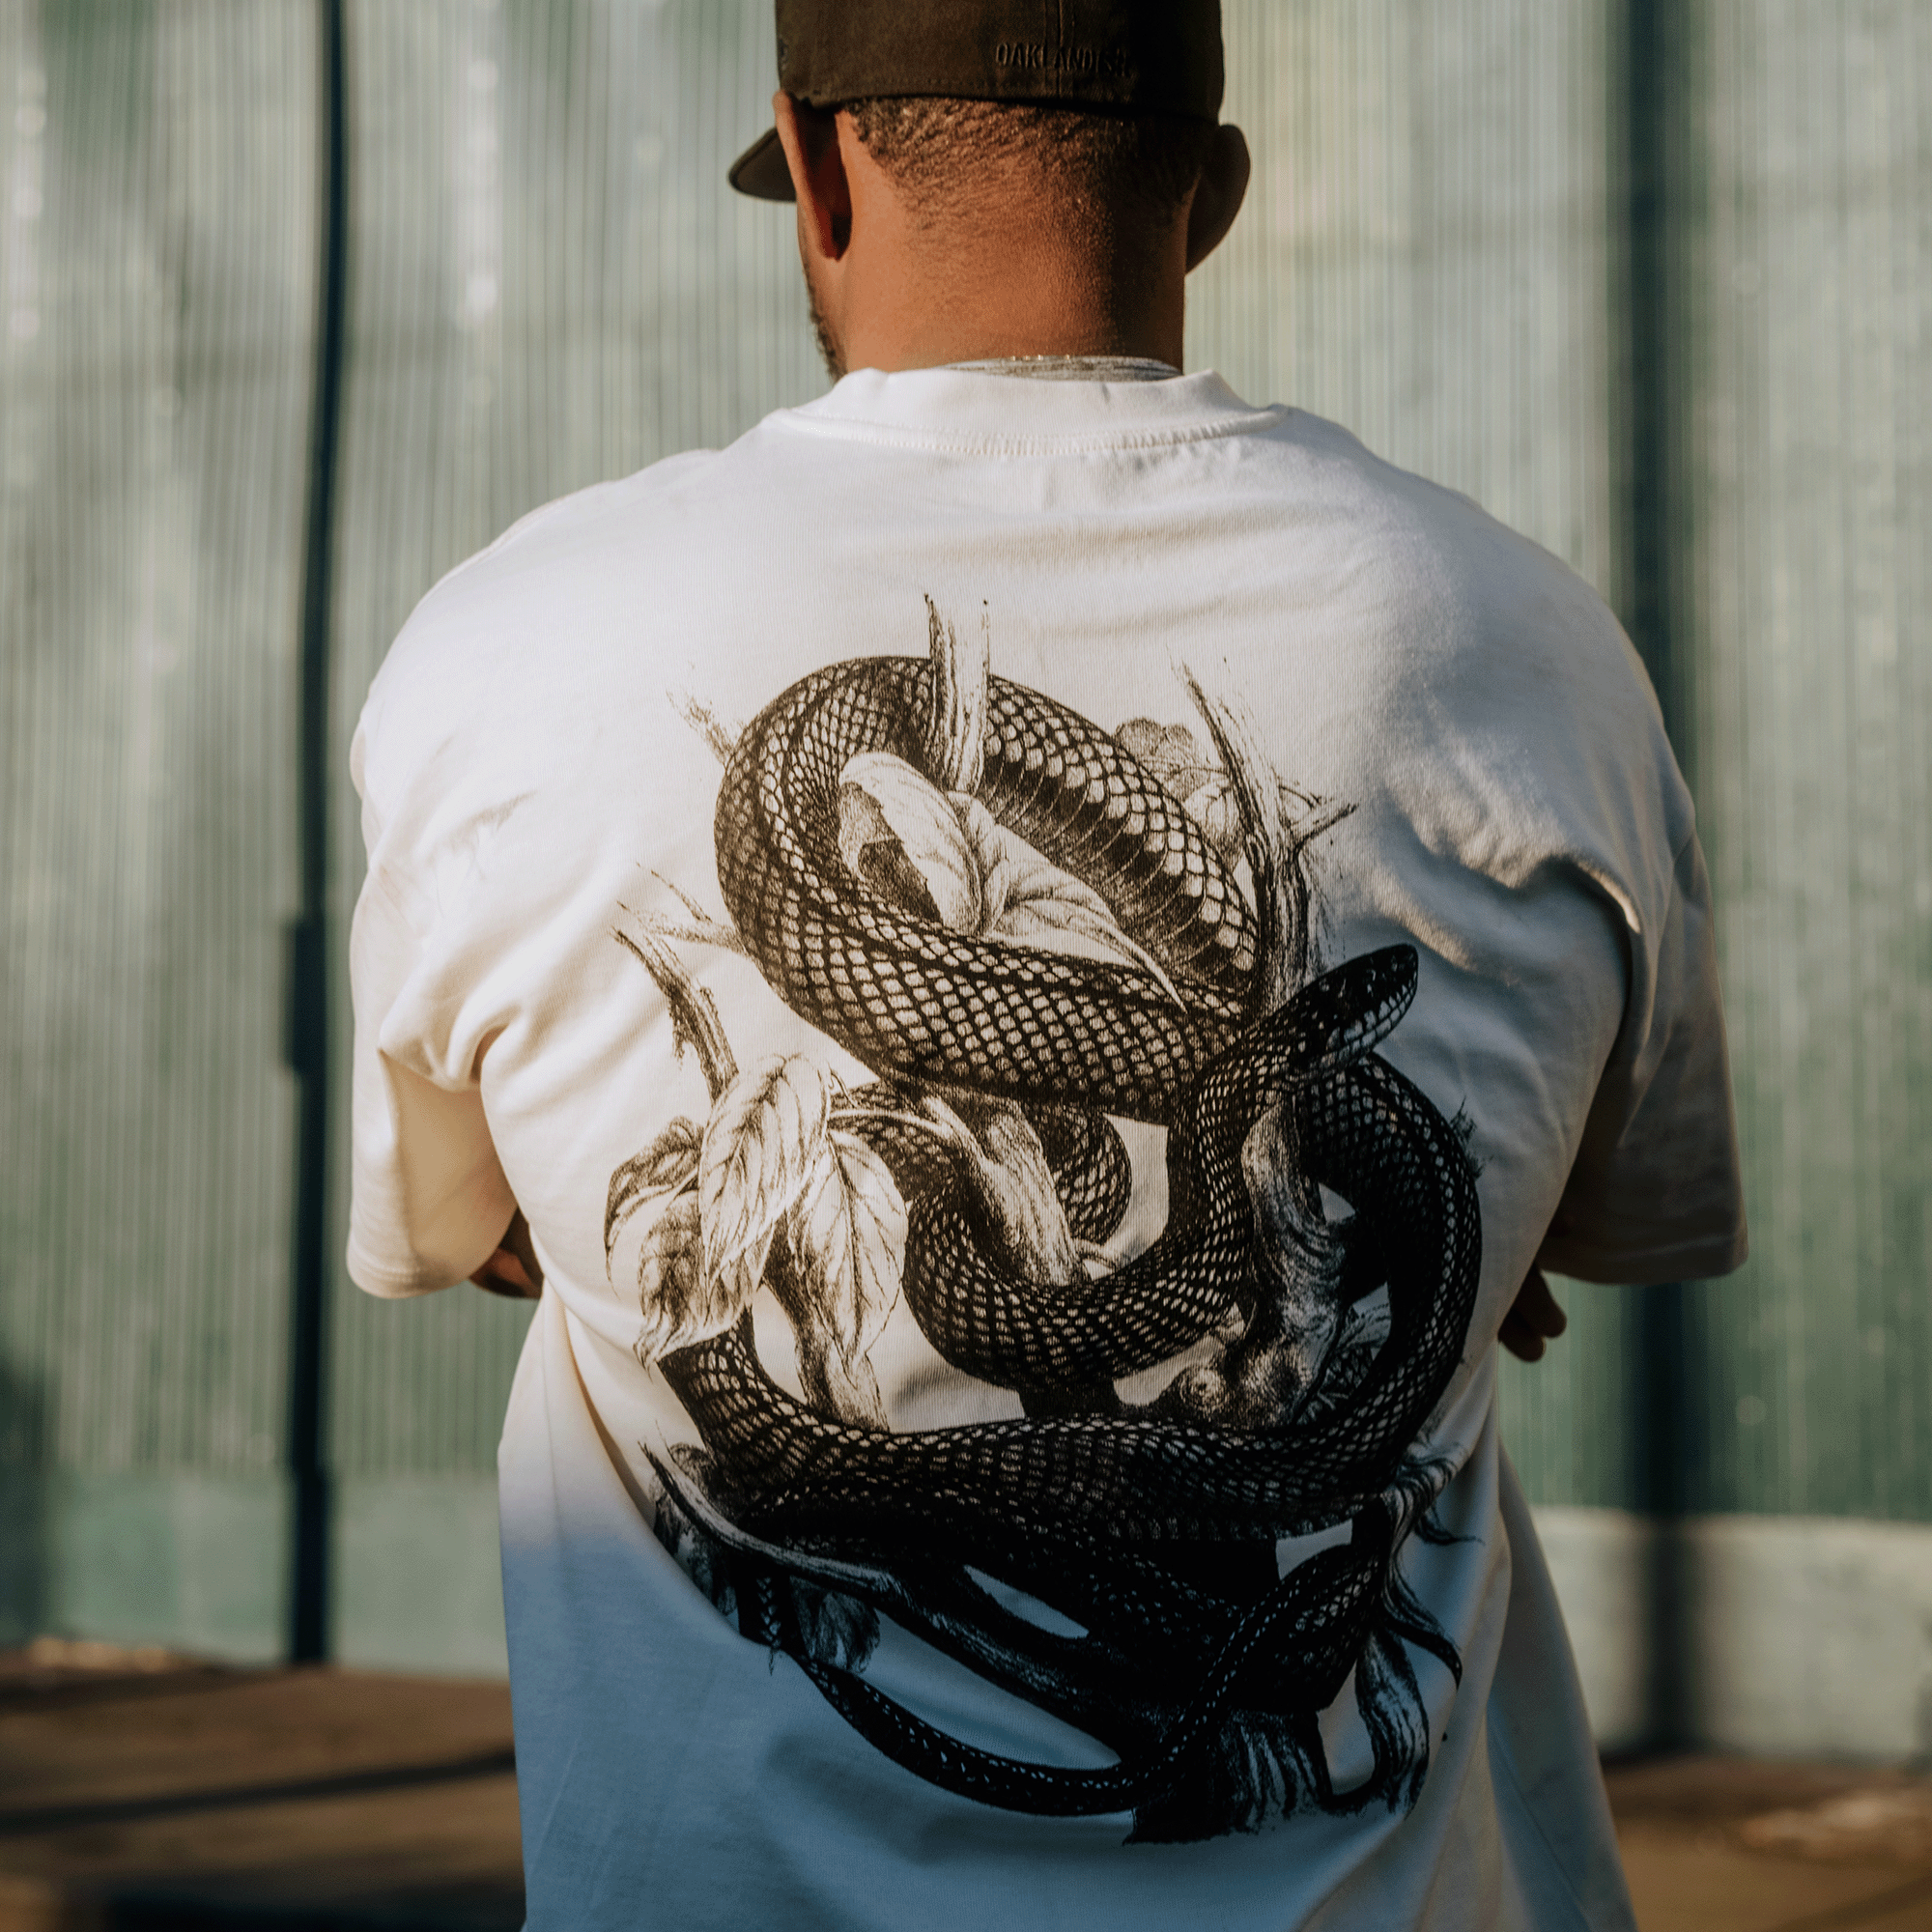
{"x":1655,"y":1194}
{"x":429,"y":1201}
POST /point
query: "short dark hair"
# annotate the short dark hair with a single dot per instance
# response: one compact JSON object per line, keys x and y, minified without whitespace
{"x":1146,"y":163}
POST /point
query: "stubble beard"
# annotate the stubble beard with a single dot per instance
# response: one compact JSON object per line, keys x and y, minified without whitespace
{"x":828,"y":346}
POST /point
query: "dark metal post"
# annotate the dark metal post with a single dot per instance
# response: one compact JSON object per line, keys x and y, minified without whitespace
{"x":308,"y":975}
{"x":1653,"y":72}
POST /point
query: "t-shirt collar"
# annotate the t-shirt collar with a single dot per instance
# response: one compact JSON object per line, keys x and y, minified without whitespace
{"x":978,"y":402}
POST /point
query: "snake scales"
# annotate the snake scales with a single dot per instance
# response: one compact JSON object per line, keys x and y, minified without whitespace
{"x":1192,"y":1667}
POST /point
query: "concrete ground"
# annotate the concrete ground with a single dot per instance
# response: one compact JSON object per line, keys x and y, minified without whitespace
{"x":1731,"y":1845}
{"x":139,"y":1792}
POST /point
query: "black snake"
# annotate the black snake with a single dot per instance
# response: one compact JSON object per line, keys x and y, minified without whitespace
{"x":1110,"y":1515}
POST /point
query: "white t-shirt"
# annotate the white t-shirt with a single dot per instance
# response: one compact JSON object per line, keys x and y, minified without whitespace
{"x":1042,"y":958}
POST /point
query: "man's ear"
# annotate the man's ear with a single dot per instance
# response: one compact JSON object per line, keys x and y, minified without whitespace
{"x":1218,"y":195}
{"x":809,"y":137}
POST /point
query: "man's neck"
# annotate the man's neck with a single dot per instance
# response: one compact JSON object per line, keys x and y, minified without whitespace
{"x":926,"y":295}
{"x":1006,"y":266}
{"x":931,"y":338}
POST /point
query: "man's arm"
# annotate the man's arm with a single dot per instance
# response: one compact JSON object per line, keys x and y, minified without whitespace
{"x":1534,"y":1319}
{"x":514,"y":1271}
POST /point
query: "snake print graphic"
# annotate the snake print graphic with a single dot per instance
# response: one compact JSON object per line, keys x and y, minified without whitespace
{"x":1147,"y":1532}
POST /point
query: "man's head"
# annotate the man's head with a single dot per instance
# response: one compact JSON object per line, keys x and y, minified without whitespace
{"x":986,"y":178}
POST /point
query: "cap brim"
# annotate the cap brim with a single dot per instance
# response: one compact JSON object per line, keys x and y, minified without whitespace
{"x":761,"y":171}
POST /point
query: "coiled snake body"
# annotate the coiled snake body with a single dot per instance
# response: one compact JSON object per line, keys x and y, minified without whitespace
{"x":1185,"y":1662}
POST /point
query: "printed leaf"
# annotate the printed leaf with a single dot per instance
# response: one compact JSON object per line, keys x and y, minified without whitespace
{"x":667,"y":1164}
{"x":871,"y":850}
{"x":682,"y":1300}
{"x":848,"y":1238}
{"x":1030,"y":902}
{"x":762,"y":1148}
{"x":882,"y":798}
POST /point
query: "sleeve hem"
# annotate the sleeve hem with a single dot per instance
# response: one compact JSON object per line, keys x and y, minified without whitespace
{"x":392,"y":1283}
{"x":1643,"y":1268}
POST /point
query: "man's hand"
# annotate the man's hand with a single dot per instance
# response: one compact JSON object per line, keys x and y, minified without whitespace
{"x":514,"y":1271}
{"x":1533,"y":1323}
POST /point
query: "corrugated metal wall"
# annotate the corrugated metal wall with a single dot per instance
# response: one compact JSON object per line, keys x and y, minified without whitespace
{"x":157,"y":288}
{"x":1799,"y":299}
{"x":1430,"y":252}
{"x":552,"y":285}
{"x":156,"y":262}
{"x":1434,"y":253}
{"x":548,"y":284}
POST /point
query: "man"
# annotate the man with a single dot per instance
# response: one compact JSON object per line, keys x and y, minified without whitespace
{"x":1032,"y":966}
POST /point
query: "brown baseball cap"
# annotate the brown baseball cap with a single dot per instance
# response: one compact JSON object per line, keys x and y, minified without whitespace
{"x":1117,"y":56}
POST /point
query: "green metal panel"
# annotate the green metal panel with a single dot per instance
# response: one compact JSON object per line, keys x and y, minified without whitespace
{"x":1429,"y":252}
{"x":1572,"y":1422}
{"x":1799,"y":300}
{"x":552,"y":285}
{"x":156,"y":305}
{"x":416,"y":1575}
{"x":1438,"y":262}
{"x":196,"y":1560}
{"x":1431,"y":255}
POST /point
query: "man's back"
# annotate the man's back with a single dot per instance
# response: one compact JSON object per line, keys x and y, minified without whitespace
{"x":1042,"y":958}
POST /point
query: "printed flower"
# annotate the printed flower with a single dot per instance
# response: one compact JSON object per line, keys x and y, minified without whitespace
{"x":1169,"y":751}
